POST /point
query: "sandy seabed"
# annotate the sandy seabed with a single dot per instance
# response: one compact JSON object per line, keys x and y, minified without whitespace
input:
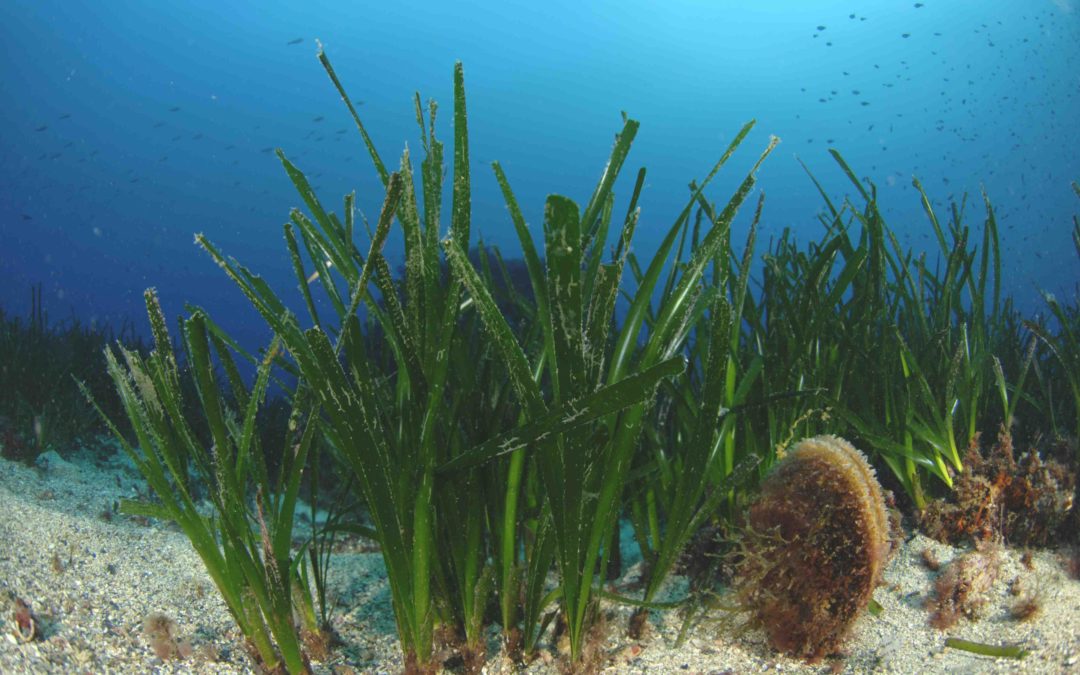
{"x":91,"y":580}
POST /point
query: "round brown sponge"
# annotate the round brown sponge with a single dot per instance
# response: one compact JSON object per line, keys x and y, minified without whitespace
{"x":816,"y":542}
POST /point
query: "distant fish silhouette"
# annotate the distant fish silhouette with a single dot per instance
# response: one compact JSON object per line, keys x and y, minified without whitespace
{"x":43,"y":127}
{"x":295,"y":41}
{"x":320,"y":118}
{"x":64,"y":116}
{"x":26,"y":217}
{"x":270,"y":149}
{"x":175,"y":108}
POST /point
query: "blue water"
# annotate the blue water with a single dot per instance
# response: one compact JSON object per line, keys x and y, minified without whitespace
{"x":126,"y":127}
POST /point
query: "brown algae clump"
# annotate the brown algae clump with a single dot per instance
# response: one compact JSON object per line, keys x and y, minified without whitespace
{"x":963,"y":588}
{"x":816,"y":542}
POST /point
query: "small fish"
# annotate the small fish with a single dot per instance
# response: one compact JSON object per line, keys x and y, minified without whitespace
{"x":320,"y":118}
{"x":294,"y":41}
{"x":175,"y":108}
{"x":43,"y":127}
{"x":358,"y":102}
{"x":905,"y":35}
{"x":918,"y":5}
{"x":821,"y":28}
{"x":64,"y":116}
{"x":269,"y":149}
{"x":26,"y":217}
{"x":159,"y":125}
{"x":315,"y":275}
{"x":196,"y":137}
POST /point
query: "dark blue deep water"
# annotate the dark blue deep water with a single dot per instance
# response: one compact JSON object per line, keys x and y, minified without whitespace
{"x":126,"y":127}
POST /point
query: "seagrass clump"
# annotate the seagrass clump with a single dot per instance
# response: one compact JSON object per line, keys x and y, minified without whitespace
{"x":815,"y":545}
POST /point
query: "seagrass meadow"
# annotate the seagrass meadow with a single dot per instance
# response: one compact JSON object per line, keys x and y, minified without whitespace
{"x":497,"y":424}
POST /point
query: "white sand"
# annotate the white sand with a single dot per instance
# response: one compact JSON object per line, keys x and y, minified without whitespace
{"x":92,"y":581}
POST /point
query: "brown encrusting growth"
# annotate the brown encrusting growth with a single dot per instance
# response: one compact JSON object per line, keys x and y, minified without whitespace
{"x":962,"y":588}
{"x":817,"y":540}
{"x":1026,"y":501}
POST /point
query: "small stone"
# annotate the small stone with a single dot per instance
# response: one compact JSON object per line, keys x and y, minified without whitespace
{"x":53,"y":464}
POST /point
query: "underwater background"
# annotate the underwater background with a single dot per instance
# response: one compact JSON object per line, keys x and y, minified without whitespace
{"x":129,"y":126}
